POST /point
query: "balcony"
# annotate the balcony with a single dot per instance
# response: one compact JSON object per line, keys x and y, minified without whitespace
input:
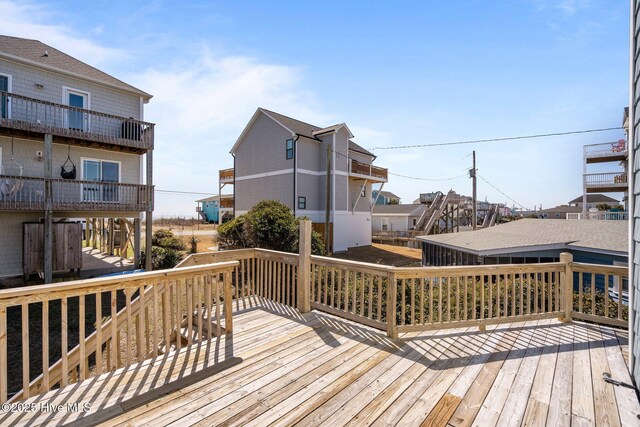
{"x":610,"y":182}
{"x":226,"y":176}
{"x":28,"y":194}
{"x":32,"y":118}
{"x":226,"y":202}
{"x":607,"y":152}
{"x":220,"y":340}
{"x":367,"y":171}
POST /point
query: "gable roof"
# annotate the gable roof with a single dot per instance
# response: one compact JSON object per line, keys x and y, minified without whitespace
{"x":406,"y":209}
{"x":540,"y":234}
{"x":595,"y":198}
{"x":387,"y":194}
{"x":207,"y":199}
{"x":298,"y":127}
{"x":34,"y":52}
{"x":563,"y":209}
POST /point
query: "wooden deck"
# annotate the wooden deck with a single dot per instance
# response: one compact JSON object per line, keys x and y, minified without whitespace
{"x":282,"y":368}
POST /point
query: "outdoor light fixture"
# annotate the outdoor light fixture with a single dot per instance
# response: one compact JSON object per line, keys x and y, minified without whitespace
{"x":39,"y":85}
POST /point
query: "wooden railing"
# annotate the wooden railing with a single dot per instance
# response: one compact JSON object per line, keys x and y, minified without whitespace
{"x":360,"y":168}
{"x":145,"y":315}
{"x":35,"y":115}
{"x":226,"y":174}
{"x":92,"y":326}
{"x":28,"y":193}
{"x":226,"y":202}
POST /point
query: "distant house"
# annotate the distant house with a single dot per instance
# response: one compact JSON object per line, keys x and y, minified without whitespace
{"x":384,"y":198}
{"x":593,"y":200}
{"x":281,"y":158}
{"x":209,"y":209}
{"x":559,"y":212}
{"x":396,"y":217}
{"x":530,"y":240}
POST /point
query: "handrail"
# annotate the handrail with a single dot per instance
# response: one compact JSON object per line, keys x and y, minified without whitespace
{"x":36,"y":115}
{"x":196,"y":285}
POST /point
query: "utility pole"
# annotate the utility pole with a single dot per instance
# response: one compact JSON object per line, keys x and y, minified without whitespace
{"x":328,"y":199}
{"x":472,"y":174}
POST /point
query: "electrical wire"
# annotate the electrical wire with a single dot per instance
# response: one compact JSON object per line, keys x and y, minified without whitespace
{"x":510,"y":138}
{"x":427,"y":179}
{"x":501,"y":192}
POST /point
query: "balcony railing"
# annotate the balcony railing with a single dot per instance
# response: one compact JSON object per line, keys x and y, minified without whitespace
{"x":29,"y":194}
{"x":604,"y":216}
{"x":369,"y":170}
{"x":34,"y":115}
{"x":226,"y":175}
{"x":610,"y":181}
{"x":609,"y":150}
{"x":226,"y":203}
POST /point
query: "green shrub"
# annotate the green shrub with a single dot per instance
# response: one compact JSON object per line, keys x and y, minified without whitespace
{"x":268,"y":225}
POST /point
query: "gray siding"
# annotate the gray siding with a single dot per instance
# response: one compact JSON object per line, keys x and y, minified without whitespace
{"x":262,"y":150}
{"x":103,"y":99}
{"x":635,"y":191}
{"x":11,"y":241}
{"x":25,"y":154}
{"x":311,"y":155}
{"x":364,"y":203}
{"x":312,"y":187}
{"x":251,"y":191}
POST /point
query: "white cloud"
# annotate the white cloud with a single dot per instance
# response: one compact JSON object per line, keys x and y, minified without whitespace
{"x":28,"y":20}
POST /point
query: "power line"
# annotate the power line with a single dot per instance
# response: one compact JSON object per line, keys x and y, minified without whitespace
{"x":510,"y":138}
{"x":184,"y":192}
{"x":501,"y":192}
{"x":427,"y":179}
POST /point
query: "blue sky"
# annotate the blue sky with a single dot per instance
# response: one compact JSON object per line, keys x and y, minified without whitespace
{"x":410,"y":72}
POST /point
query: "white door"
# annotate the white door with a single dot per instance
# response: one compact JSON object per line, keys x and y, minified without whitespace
{"x":76,"y":119}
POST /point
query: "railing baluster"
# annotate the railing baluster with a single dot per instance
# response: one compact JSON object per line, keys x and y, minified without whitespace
{"x":81,"y":339}
{"x":619,"y":296}
{"x":3,"y":354}
{"x":154,"y":339}
{"x":207,"y":284}
{"x":362,"y":282}
{"x":25,"y":349}
{"x":45,"y":346}
{"x":179,"y":286}
{"x":98,"y":333}
{"x":370,"y":281}
{"x":606,"y":295}
{"x":64,"y":347}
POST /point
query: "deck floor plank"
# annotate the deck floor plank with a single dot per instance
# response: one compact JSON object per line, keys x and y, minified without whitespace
{"x":282,"y":368}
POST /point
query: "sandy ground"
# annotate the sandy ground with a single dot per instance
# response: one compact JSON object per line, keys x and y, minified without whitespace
{"x":206,"y":234}
{"x":378,"y":253}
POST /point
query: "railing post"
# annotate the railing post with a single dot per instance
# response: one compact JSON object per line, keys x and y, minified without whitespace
{"x":228,"y":302}
{"x":392,"y":294}
{"x":566,"y":285}
{"x":304,"y":263}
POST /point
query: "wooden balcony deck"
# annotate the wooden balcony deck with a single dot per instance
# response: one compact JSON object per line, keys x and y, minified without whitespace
{"x":283,"y":368}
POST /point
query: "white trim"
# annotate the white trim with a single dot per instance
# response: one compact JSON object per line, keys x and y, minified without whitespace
{"x":141,"y":109}
{"x":295,"y":178}
{"x":333,"y":187}
{"x":66,"y":90}
{"x":321,"y":173}
{"x":9,"y":89}
{"x":264,"y":175}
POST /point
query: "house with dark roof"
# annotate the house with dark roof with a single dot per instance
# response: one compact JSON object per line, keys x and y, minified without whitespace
{"x":530,"y":240}
{"x":593,"y":200}
{"x":319,"y":172}
{"x":380,"y":197}
{"x":73,"y":142}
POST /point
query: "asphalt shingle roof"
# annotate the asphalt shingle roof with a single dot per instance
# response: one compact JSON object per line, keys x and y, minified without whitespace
{"x":595,"y":198}
{"x":592,"y":235}
{"x":34,"y":51}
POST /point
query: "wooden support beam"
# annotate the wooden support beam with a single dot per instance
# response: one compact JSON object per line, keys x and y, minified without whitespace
{"x":304,"y":265}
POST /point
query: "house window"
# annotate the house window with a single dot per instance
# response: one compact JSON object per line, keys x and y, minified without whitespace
{"x":302,"y":203}
{"x":385,"y":224}
{"x":289,"y":149}
{"x":106,"y":175}
{"x":4,"y":99}
{"x":415,"y":221}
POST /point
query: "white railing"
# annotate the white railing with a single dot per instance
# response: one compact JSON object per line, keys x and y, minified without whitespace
{"x":606,"y":216}
{"x":608,"y":149}
{"x":606,"y":180}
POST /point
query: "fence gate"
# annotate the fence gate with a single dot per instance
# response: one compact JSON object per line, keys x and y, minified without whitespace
{"x":67,"y":247}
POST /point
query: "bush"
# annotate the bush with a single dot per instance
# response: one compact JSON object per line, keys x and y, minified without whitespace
{"x":166,"y":252}
{"x":268,"y":225}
